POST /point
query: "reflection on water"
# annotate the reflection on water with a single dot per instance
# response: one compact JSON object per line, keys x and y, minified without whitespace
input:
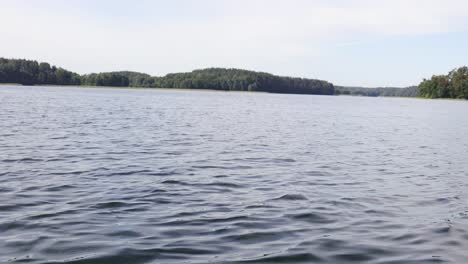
{"x":119,"y":176}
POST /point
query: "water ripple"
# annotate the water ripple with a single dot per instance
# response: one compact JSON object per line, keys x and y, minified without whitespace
{"x":93,"y":176}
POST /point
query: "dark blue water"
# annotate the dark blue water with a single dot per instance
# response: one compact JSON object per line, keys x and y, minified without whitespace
{"x":144,"y":176}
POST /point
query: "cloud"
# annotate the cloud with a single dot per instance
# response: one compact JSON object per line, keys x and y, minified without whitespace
{"x":164,"y":36}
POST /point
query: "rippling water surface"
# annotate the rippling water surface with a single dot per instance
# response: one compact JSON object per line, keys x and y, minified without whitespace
{"x":143,"y":176}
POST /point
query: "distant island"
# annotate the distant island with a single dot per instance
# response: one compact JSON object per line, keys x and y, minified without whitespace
{"x":30,"y":72}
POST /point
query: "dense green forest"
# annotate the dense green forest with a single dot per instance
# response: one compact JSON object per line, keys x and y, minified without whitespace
{"x":411,"y":91}
{"x":29,"y":72}
{"x":105,"y":79}
{"x":236,"y":80}
{"x":452,"y":85}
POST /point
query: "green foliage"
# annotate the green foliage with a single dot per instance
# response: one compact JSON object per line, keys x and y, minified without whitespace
{"x":105,"y":79}
{"x":380,"y":91}
{"x":241,"y":80}
{"x":136,"y":79}
{"x":453,"y":85}
{"x":32,"y":72}
{"x":28,"y":72}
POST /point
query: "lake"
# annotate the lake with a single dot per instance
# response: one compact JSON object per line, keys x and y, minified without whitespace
{"x":96,"y":175}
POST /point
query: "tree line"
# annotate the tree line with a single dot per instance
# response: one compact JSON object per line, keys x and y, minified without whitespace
{"x":235,"y":80}
{"x":411,"y":91}
{"x":28,"y":72}
{"x":452,"y":85}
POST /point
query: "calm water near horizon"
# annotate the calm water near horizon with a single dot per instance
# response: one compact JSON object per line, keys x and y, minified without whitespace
{"x":91,"y":176}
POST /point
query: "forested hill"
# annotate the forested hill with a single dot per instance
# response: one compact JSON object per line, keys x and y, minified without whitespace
{"x":29,"y":72}
{"x":238,"y":80}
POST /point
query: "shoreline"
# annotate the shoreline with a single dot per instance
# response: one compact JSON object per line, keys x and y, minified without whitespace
{"x":211,"y":90}
{"x":127,"y":88}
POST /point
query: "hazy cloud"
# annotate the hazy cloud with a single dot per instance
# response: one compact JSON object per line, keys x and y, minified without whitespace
{"x":164,"y":36}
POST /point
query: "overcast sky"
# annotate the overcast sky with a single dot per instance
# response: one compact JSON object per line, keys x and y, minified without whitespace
{"x":347,"y":42}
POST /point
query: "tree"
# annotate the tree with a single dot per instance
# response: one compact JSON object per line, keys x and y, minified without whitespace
{"x":32,"y":72}
{"x":459,"y":82}
{"x":453,"y":85}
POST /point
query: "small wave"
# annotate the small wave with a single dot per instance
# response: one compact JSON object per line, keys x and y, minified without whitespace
{"x":311,"y":218}
{"x":107,"y":205}
{"x":284,"y":160}
{"x":61,"y":137}
{"x":258,"y":237}
{"x":174,"y":182}
{"x":224,"y":184}
{"x":442,"y":230}
{"x":291,"y":258}
{"x":240,"y":167}
{"x":317,"y":173}
{"x":257,"y":206}
{"x":169,"y":173}
{"x":124,"y":173}
{"x":124,"y":234}
{"x":354,"y":257}
{"x":5,"y":189}
{"x":292,"y":197}
{"x":26,"y":160}
{"x":59,"y":188}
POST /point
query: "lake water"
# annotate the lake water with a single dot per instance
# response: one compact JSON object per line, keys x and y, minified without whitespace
{"x":157,"y":176}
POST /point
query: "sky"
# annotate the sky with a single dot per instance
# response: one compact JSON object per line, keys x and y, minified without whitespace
{"x":386,"y":43}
